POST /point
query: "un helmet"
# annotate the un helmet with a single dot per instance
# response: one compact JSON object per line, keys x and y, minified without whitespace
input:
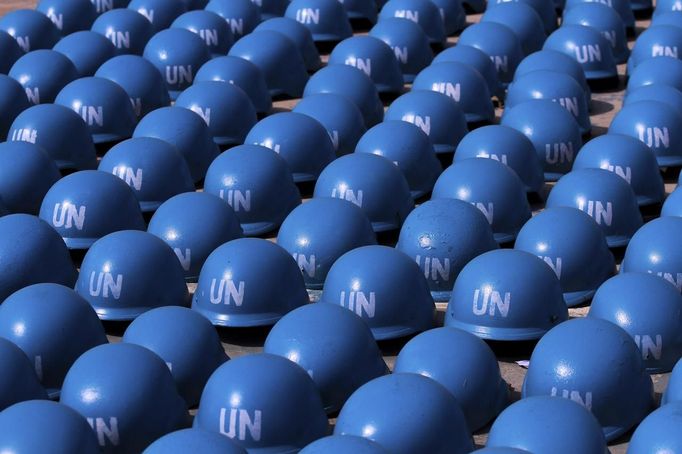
{"x":655,"y":41}
{"x":193,"y":440}
{"x":270,"y":9}
{"x":161,"y":13}
{"x":87,"y":50}
{"x":408,"y":42}
{"x":10,"y":51}
{"x":658,"y":431}
{"x":69,"y":16}
{"x":43,"y":73}
{"x":604,"y":19}
{"x":453,"y":14}
{"x":327,"y":20}
{"x":13,"y":101}
{"x":299,"y":34}
{"x":103,"y":6}
{"x":673,"y":205}
{"x":523,"y":20}
{"x":552,"y":60}
{"x":622,"y":7}
{"x":479,"y":61}
{"x":659,"y":70}
{"x":361,"y":9}
{"x":664,"y":7}
{"x":586,"y":46}
{"x":500,"y":43}
{"x":545,"y":9}
{"x":26,"y":174}
{"x":241,"y":15}
{"x":31,"y":29}
{"x":128,"y":30}
{"x":655,"y":92}
{"x":213,"y":29}
{"x":341,"y":444}
{"x":423,"y":12}
{"x":19,"y":382}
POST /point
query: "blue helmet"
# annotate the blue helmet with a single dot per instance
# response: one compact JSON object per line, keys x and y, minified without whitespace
{"x":553,"y":131}
{"x":595,"y":363}
{"x":663,"y":17}
{"x":187,"y":131}
{"x":515,"y":295}
{"x":442,"y":236}
{"x":127,"y":273}
{"x":557,"y":87}
{"x":463,"y":364}
{"x":87,"y":50}
{"x":305,"y":234}
{"x":141,"y":81}
{"x":673,"y":392}
{"x":342,"y":444}
{"x":31,"y":29}
{"x":270,"y":9}
{"x":13,"y":101}
{"x":258,"y":185}
{"x":213,"y":29}
{"x":194,"y":440}
{"x":361,"y":9}
{"x":423,"y":12}
{"x":128,"y":30}
{"x":19,"y":381}
{"x":226,"y":109}
{"x":409,"y":148}
{"x":437,"y":114}
{"x":128,"y":393}
{"x":453,"y":14}
{"x":673,"y":205}
{"x":10,"y":51}
{"x":371,"y":182}
{"x":333,"y":345}
{"x":581,"y":264}
{"x":60,"y":132}
{"x":656,"y":124}
{"x":44,"y":312}
{"x":523,"y":20}
{"x":161,"y":13}
{"x":44,"y":426}
{"x":103,"y":6}
{"x":545,"y":9}
{"x":153,"y":169}
{"x":547,"y":424}
{"x":478,"y":60}
{"x":499,"y":42}
{"x":493,"y":188}
{"x":655,"y":41}
{"x":622,"y":7}
{"x":243,"y":74}
{"x":267,"y":387}
{"x":650,"y":310}
{"x":178,"y":54}
{"x":341,"y":118}
{"x":587,"y":46}
{"x":327,"y":20}
{"x":299,"y":34}
{"x":383,"y":411}
{"x":43,"y":73}
{"x":551,"y":60}
{"x":26,"y":174}
{"x":604,"y":19}
{"x":194,"y":224}
{"x":351,"y":83}
{"x":655,"y":92}
{"x":241,"y":15}
{"x":383,"y":286}
{"x":658,"y":431}
{"x":661,"y":70}
{"x":249,"y":282}
{"x":628,"y":158}
{"x":69,"y":16}
{"x":462,"y":83}
{"x":103,"y":105}
{"x":301,"y":140}
{"x":192,"y":358}
{"x":663,"y":7}
{"x":408,"y":42}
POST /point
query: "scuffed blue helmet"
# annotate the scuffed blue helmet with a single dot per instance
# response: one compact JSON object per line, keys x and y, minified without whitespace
{"x":87,"y":51}
{"x":191,"y":440}
{"x":128,"y":30}
{"x":213,"y":29}
{"x":342,"y":444}
{"x":10,"y":51}
{"x":655,"y":92}
{"x":13,"y":101}
{"x":19,"y":382}
{"x":478,"y":60}
{"x":523,"y":20}
{"x":659,"y":70}
{"x":161,"y":13}
{"x":408,"y":42}
{"x":545,"y":9}
{"x":43,"y":73}
{"x":327,"y":20}
{"x":658,"y":431}
{"x":453,"y":14}
{"x":586,"y":46}
{"x":604,"y":19}
{"x":299,"y":34}
{"x":551,"y":60}
{"x":69,"y":16}
{"x":622,"y":7}
{"x":499,"y":42}
{"x":31,"y":29}
{"x":655,"y":41}
{"x":26,"y":174}
{"x":423,"y":12}
{"x":241,"y":15}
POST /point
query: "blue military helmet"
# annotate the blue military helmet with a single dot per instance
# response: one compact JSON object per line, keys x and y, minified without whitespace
{"x":408,"y":42}
{"x":192,"y":358}
{"x":104,"y":107}
{"x":373,"y":57}
{"x":31,"y":29}
{"x":141,"y":81}
{"x":69,"y":16}
{"x":333,"y":345}
{"x":586,"y":46}
{"x":226,"y":109}
{"x":557,"y":87}
{"x":300,"y":35}
{"x":43,"y":73}
{"x":241,"y":15}
{"x":622,"y":7}
{"x":383,"y":411}
{"x":673,"y":204}
{"x":249,"y":282}
{"x":493,"y":188}
{"x":552,"y":129}
{"x":371,"y":182}
{"x":19,"y":382}
{"x":462,"y":363}
{"x":479,"y":61}
{"x":500,"y":43}
{"x":178,"y":54}
{"x":659,"y":70}
{"x":437,"y":114}
{"x":547,"y":424}
{"x":194,"y":440}
{"x":658,"y":431}
{"x":128,"y":30}
{"x":194,"y":224}
{"x":351,"y":83}
{"x":594,"y":363}
{"x":423,"y":12}
{"x":161,"y":13}
{"x":270,"y":9}
{"x":10,"y":51}
{"x":453,"y":14}
{"x":628,"y":158}
{"x":655,"y":92}
{"x":383,"y":286}
{"x":127,"y":273}
{"x":13,"y":101}
{"x":604,"y":19}
{"x":463,"y":84}
{"x":153,"y":169}
{"x":35,"y":318}
{"x":249,"y":399}
{"x":657,"y":125}
{"x":409,"y":148}
{"x":506,"y":295}
{"x":673,"y":392}
{"x":663,"y":17}
{"x":87,"y":50}
{"x":128,"y":393}
{"x":301,"y":140}
{"x":258,"y":185}
{"x":43,"y":426}
{"x":213,"y":29}
{"x":341,"y":444}
{"x":442,"y":236}
{"x":650,"y":310}
{"x":551,"y":60}
{"x":664,"y":7}
{"x":305,"y":235}
{"x":26,"y":174}
{"x":243,"y":74}
{"x":546,"y":10}
{"x":327,"y":20}
{"x":523,"y":20}
{"x":655,"y":41}
{"x":582,"y":264}
{"x":341,"y":118}
{"x":361,"y":9}
{"x":185,"y":130}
